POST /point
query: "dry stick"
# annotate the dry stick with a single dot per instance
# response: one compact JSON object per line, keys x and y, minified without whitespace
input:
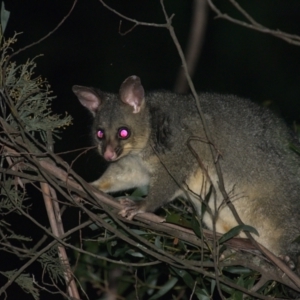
{"x":54,"y":215}
{"x":245,"y":14}
{"x":70,"y":282}
{"x":289,"y":38}
{"x":206,"y":131}
{"x":130,"y":19}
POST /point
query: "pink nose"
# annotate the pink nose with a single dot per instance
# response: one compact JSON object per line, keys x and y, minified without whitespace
{"x":109,"y":153}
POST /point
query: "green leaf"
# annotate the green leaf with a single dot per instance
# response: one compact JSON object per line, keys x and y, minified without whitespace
{"x":94,"y":226}
{"x":158,"y":243}
{"x":235,"y":231}
{"x":206,"y":200}
{"x":109,"y":248}
{"x":134,"y":253}
{"x":178,"y":220}
{"x":212,"y":286}
{"x":202,"y":295}
{"x":238,"y":295}
{"x":120,"y":251}
{"x":249,"y":282}
{"x":187,"y":278}
{"x":181,"y":245}
{"x":196,"y":227}
{"x":165,"y":288}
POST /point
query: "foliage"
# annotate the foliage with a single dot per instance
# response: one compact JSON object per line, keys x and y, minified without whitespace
{"x":25,"y":114}
{"x":30,"y":96}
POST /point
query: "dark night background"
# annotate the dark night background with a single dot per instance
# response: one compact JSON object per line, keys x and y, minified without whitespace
{"x":88,"y":50}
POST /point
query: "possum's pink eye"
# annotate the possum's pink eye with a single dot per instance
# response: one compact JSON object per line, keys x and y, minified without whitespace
{"x":100,"y":134}
{"x":123,"y":133}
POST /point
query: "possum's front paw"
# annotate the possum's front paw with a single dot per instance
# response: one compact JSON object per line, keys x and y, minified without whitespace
{"x":131,"y":208}
{"x":288,"y":261}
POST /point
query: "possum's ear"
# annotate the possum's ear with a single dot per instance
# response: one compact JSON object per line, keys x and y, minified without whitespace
{"x":88,"y":97}
{"x":132,"y":93}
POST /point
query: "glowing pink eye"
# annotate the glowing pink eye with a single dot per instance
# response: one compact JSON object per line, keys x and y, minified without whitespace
{"x":100,"y":134}
{"x":123,"y":133}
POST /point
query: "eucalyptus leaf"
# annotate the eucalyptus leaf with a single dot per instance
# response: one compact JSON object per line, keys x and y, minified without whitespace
{"x":158,"y":243}
{"x":177,"y":219}
{"x":134,"y":253}
{"x":236,"y":231}
{"x":188,"y":279}
{"x":206,"y":199}
{"x":202,"y":295}
{"x":139,"y":232}
{"x":196,"y":227}
{"x":94,"y":226}
{"x":109,"y":248}
{"x":165,"y":288}
{"x":212,"y":286}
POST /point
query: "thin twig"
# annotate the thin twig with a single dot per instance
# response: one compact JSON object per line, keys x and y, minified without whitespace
{"x":292,"y":39}
{"x":130,"y":19}
{"x":41,"y":39}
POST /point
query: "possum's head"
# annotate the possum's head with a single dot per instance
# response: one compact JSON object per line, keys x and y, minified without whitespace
{"x":121,"y":122}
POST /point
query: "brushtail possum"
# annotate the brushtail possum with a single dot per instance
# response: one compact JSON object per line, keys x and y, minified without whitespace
{"x":157,"y":139}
